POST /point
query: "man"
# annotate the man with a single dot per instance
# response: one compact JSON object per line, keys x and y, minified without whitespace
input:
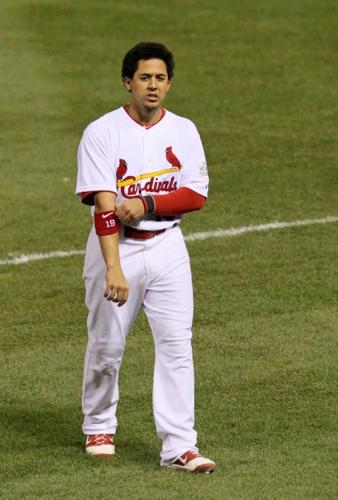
{"x":141,"y":167}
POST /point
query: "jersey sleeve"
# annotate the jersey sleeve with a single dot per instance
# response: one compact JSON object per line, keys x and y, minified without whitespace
{"x":95,"y":161}
{"x":194,"y":173}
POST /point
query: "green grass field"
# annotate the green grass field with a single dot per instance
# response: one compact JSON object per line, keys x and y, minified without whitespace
{"x":259,"y":78}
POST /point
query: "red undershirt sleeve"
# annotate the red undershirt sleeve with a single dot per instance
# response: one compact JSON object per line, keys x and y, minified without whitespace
{"x":87,"y":197}
{"x":178,"y":202}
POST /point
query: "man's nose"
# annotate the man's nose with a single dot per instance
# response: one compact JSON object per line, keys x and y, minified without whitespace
{"x":152,"y":83}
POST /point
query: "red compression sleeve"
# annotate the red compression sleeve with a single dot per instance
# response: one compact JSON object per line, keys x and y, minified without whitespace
{"x":178,"y":202}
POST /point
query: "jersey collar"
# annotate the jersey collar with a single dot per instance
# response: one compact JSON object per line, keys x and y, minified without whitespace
{"x":143,"y":125}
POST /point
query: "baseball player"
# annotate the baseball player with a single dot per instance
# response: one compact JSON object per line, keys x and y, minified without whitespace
{"x":141,"y":168}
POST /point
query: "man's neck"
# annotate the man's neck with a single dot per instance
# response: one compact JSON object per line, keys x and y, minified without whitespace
{"x":144,"y":116}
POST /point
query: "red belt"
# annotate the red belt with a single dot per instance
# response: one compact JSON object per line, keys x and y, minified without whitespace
{"x":137,"y":234}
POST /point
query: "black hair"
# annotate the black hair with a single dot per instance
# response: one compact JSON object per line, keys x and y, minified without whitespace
{"x":147,"y":50}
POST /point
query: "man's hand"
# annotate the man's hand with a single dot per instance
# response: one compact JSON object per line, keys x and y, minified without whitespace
{"x":130,"y":211}
{"x":117,"y":288}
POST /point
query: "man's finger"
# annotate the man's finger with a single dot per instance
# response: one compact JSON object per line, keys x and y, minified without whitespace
{"x":123,"y":297}
{"x":111,"y":293}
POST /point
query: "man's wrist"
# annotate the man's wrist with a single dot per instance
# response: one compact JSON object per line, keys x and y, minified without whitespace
{"x":113,"y":267}
{"x":148,"y":203}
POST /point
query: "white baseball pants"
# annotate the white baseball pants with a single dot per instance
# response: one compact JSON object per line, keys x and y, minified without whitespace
{"x":159,"y":277}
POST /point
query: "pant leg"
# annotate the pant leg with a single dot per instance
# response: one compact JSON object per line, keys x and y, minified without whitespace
{"x":108,"y":326}
{"x":168,"y":304}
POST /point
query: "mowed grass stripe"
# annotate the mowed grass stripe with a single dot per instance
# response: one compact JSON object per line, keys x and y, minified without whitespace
{"x":218,"y":233}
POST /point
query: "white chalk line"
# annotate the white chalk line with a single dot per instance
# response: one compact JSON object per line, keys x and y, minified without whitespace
{"x":223,"y":233}
{"x":15,"y":259}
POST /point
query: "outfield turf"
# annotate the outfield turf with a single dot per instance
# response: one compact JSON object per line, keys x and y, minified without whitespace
{"x":259,"y":78}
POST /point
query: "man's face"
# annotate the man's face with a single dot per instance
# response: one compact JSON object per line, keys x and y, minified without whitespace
{"x":149,"y":84}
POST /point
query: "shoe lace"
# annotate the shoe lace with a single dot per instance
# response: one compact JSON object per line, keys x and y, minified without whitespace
{"x":99,"y":439}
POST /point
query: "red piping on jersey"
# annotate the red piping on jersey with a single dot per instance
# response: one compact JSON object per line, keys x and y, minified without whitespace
{"x":144,"y":125}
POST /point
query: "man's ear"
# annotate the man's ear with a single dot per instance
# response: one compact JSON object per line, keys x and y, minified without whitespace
{"x":127,"y":83}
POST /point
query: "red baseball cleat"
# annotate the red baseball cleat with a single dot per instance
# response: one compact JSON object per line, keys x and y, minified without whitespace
{"x":192,"y":461}
{"x":100,"y":445}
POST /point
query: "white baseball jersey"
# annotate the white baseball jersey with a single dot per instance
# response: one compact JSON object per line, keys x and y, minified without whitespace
{"x":120,"y":155}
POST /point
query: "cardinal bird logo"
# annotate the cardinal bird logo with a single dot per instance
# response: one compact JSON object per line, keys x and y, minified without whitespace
{"x":172,"y":158}
{"x":121,"y":169}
